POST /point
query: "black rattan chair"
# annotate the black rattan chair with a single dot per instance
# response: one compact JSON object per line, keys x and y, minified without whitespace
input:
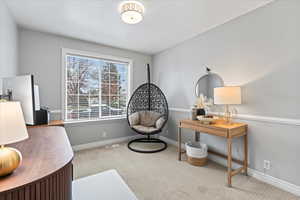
{"x":147,"y":102}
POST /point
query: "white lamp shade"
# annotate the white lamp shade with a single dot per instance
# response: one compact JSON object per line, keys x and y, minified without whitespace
{"x":12,"y":123}
{"x":227,"y":95}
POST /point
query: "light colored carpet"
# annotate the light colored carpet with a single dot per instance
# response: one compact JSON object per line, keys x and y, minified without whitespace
{"x":160,"y":176}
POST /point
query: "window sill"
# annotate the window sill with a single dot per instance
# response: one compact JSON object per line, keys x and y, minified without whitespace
{"x":96,"y":121}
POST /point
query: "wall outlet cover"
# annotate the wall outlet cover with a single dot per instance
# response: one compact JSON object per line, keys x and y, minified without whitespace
{"x":104,"y":134}
{"x":267,"y":164}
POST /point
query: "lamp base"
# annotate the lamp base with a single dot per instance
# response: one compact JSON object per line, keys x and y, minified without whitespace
{"x":227,"y":115}
{"x":10,"y":159}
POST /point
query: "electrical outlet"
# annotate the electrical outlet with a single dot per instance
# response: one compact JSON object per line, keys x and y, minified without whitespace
{"x":267,"y":164}
{"x":167,"y":132}
{"x":104,"y":134}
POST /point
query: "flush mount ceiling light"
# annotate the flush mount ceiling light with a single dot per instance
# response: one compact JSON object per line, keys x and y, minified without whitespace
{"x":131,"y":12}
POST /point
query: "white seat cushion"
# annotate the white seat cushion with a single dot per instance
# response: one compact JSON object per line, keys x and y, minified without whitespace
{"x":144,"y":129}
{"x":107,"y":185}
{"x":160,"y":122}
{"x":148,"y":118}
{"x":134,"y":119}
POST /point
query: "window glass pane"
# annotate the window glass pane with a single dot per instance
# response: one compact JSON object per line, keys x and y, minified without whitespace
{"x":84,"y":109}
{"x":105,"y":100}
{"x":94,"y":100}
{"x":72,"y":101}
{"x":105,"y":106}
{"x":114,"y":105}
{"x":123,"y":84}
{"x":113,"y":68}
{"x":105,"y":110}
{"x":114,"y":89}
{"x":114,"y":78}
{"x":94,"y":91}
{"x":114,"y":101}
{"x":105,"y":68}
{"x":95,"y":88}
{"x":72,"y":68}
{"x":72,"y":106}
{"x":72,"y":114}
{"x":105,"y":89}
{"x":123,"y":101}
{"x":72,"y":88}
{"x":105,"y":77}
{"x":95,"y":112}
{"x":88,"y":76}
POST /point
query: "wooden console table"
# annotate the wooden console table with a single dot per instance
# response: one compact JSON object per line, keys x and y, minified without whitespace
{"x":46,"y":171}
{"x":52,"y":123}
{"x":228,"y":131}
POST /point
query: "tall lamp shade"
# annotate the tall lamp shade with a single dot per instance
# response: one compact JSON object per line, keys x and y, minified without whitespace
{"x":12,"y":129}
{"x":227,"y":95}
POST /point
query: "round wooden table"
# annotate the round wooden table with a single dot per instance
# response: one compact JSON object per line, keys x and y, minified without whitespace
{"x":46,"y":172}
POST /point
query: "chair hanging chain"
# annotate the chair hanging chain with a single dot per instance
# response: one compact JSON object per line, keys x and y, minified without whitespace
{"x":149,"y":90}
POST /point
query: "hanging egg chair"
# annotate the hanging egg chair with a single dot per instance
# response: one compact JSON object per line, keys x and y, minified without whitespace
{"x":147,"y":114}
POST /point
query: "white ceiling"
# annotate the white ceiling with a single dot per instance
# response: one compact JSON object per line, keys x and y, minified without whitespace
{"x":166,"y":22}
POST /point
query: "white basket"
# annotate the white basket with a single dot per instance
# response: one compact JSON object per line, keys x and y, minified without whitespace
{"x":196,"y":149}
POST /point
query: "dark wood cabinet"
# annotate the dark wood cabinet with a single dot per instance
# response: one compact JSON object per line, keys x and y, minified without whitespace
{"x":46,"y":171}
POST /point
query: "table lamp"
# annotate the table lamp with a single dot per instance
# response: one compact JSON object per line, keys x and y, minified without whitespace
{"x":227,"y":96}
{"x":12,"y":129}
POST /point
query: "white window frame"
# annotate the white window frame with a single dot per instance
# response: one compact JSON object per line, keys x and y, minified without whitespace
{"x":67,"y":51}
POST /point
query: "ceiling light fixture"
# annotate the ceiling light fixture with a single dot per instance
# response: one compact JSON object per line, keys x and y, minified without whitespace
{"x":132,"y":12}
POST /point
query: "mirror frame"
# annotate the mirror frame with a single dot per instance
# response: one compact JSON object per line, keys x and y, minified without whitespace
{"x":207,"y":75}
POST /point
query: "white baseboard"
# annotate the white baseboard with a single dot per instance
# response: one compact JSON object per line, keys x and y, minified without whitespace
{"x":102,"y":143}
{"x":284,"y":185}
{"x":170,"y":141}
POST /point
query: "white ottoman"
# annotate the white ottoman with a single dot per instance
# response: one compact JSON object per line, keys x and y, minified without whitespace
{"x":107,"y":185}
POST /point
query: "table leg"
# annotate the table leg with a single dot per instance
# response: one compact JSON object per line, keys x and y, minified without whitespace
{"x":246,"y":154}
{"x":179,"y":143}
{"x":229,"y":161}
{"x":197,"y":136}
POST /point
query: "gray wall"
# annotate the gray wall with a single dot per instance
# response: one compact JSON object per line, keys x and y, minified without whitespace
{"x":8,"y":43}
{"x":40,"y":55}
{"x":260,"y":52}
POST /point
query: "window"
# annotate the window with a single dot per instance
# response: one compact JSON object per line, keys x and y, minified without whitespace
{"x":96,"y":87}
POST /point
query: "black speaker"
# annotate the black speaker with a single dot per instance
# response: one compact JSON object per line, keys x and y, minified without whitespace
{"x":41,"y":117}
{"x":200,"y":111}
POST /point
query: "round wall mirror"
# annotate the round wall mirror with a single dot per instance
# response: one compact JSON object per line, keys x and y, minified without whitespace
{"x":206,"y":84}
